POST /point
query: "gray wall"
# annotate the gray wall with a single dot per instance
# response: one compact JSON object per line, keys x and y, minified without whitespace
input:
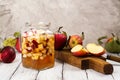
{"x":94,"y":17}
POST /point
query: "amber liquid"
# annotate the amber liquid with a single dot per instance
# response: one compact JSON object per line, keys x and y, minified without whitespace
{"x":39,"y":64}
{"x":38,"y":53}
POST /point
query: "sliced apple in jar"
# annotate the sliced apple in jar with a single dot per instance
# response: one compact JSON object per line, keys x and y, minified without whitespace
{"x":95,"y":49}
{"x":78,"y":50}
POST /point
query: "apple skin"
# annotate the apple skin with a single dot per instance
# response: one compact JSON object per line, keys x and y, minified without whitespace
{"x":98,"y":54}
{"x":78,"y":50}
{"x":80,"y":53}
{"x":17,"y":46}
{"x":74,"y":40}
{"x":18,"y":42}
{"x":60,"y":41}
{"x":7,"y":54}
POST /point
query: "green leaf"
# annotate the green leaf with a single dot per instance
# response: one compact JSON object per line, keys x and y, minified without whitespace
{"x":9,"y":42}
{"x":101,"y":38}
{"x":17,"y":34}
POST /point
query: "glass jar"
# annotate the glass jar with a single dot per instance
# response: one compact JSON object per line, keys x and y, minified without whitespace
{"x":38,"y":47}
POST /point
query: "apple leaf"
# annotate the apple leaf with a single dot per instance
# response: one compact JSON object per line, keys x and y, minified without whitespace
{"x":101,"y":38}
{"x":17,"y":34}
{"x":9,"y":42}
{"x":64,"y":33}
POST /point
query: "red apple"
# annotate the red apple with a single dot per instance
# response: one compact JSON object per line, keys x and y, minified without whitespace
{"x":60,"y":39}
{"x":7,"y":54}
{"x":95,"y":49}
{"x":75,"y":40}
{"x":0,"y":49}
{"x":78,"y":50}
{"x":17,"y":46}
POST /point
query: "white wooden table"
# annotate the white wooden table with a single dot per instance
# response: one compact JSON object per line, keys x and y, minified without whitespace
{"x":61,"y":71}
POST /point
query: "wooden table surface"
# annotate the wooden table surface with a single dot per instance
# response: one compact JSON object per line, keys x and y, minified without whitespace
{"x":61,"y":71}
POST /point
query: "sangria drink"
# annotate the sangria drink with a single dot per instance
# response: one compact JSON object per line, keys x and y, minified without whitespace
{"x":37,"y":48}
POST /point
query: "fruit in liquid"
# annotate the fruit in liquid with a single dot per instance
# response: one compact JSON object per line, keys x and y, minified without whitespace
{"x":38,"y":50}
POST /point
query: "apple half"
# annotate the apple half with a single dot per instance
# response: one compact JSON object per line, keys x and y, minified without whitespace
{"x":78,"y":50}
{"x":95,"y":49}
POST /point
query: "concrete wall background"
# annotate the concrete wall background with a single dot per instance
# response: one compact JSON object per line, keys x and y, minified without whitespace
{"x":94,"y":17}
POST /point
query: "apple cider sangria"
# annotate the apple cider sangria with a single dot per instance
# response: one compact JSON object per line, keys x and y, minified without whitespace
{"x":38,"y":48}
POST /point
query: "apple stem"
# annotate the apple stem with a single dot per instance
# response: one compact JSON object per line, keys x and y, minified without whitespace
{"x":114,"y":38}
{"x":59,"y":29}
{"x":113,"y":34}
{"x":83,"y":36}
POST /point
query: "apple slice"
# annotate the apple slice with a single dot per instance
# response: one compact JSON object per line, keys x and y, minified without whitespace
{"x":78,"y":50}
{"x":95,"y":49}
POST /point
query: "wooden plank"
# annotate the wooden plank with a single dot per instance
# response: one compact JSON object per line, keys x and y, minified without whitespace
{"x":93,"y":75}
{"x":73,"y":73}
{"x":116,"y":74}
{"x":54,"y":73}
{"x":116,"y":66}
{"x":24,"y":74}
{"x":6,"y":70}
